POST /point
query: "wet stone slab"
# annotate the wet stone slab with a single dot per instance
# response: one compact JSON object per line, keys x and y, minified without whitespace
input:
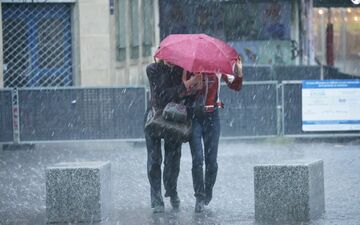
{"x":78,"y":191}
{"x":289,"y":191}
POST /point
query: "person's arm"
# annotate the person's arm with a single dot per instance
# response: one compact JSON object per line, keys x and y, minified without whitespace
{"x":152,"y":74}
{"x":235,"y":81}
{"x":192,"y":83}
{"x":187,"y":87}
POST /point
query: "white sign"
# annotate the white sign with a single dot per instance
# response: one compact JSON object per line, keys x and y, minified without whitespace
{"x":330,"y":105}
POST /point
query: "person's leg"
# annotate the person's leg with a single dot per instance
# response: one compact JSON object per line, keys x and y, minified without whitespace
{"x":197,"y":163}
{"x":211,"y":143}
{"x":154,"y":160}
{"x":171,"y":170}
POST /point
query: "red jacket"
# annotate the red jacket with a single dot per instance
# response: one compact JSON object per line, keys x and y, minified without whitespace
{"x":211,"y":89}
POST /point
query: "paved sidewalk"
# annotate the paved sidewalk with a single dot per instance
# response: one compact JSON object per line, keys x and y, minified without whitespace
{"x":22,"y":181}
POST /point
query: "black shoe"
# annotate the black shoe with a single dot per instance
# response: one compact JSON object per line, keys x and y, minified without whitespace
{"x":208,"y":198}
{"x":199,"y":206}
{"x":175,"y":202}
{"x":159,"y":208}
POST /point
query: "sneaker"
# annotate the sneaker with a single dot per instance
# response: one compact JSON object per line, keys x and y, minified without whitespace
{"x":199,"y":206}
{"x":175,"y":201}
{"x":159,"y":208}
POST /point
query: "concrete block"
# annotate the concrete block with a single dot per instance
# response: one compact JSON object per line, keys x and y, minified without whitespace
{"x":290,"y":191}
{"x":78,"y":192}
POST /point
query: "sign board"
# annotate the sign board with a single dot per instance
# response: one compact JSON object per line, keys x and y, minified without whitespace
{"x":330,"y":105}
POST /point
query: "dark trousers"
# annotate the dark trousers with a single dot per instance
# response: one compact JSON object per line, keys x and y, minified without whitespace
{"x":171,"y":167}
{"x":206,"y":127}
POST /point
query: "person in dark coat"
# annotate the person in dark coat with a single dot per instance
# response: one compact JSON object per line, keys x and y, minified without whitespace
{"x":166,"y":86}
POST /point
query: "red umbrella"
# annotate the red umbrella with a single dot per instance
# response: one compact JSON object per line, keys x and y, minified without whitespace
{"x":197,"y":53}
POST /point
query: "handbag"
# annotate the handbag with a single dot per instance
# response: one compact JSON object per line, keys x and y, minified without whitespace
{"x":175,"y":112}
{"x":160,"y":127}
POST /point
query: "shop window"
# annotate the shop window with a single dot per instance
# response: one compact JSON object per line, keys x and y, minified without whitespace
{"x":346,"y":36}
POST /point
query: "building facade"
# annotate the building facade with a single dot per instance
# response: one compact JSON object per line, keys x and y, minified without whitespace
{"x":76,"y":42}
{"x":110,"y":42}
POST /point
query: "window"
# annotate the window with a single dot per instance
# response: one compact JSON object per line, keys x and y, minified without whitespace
{"x":134,"y":33}
{"x":346,"y":31}
{"x":121,"y":32}
{"x":148,"y":41}
{"x":132,"y":21}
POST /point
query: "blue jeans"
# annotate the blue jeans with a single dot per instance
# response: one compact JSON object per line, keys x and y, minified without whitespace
{"x":206,"y":127}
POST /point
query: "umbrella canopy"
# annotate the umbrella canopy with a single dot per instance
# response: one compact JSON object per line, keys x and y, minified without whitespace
{"x":197,"y":53}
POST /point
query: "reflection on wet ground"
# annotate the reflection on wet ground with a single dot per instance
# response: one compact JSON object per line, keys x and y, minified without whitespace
{"x":22,"y":181}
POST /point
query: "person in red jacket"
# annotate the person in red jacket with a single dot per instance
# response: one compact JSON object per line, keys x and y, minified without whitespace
{"x":206,"y":129}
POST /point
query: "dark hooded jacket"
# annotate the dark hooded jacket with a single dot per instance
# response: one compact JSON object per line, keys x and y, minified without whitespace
{"x":165,"y":85}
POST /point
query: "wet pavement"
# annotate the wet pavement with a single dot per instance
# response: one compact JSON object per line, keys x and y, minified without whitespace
{"x":22,"y":181}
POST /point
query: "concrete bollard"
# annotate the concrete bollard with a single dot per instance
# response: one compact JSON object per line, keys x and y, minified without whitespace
{"x":292,"y":191}
{"x":78,"y":192}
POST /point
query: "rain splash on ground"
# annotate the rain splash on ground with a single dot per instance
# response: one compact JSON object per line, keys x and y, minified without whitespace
{"x":22,"y":181}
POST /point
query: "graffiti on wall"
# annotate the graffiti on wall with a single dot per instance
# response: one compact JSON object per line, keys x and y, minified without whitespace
{"x":273,"y":52}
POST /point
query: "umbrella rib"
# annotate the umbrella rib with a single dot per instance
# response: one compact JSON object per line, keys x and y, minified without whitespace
{"x":221,"y":50}
{"x":197,"y":60}
{"x":210,"y":39}
{"x":197,"y":49}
